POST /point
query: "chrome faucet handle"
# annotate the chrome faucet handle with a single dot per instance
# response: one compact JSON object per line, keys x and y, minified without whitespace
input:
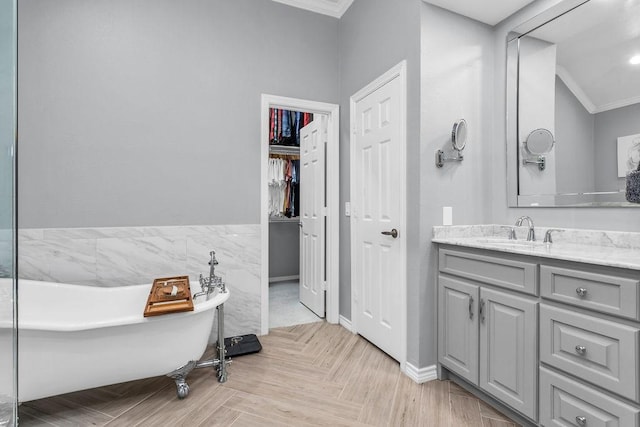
{"x":213,"y":261}
{"x":511,"y":230}
{"x":547,"y":235}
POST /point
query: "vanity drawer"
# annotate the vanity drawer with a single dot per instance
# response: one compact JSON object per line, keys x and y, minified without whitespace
{"x":596,"y":350}
{"x":565,"y":402}
{"x":605,"y":293}
{"x":506,"y":273}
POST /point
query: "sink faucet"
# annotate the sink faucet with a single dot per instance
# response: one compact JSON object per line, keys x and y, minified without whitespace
{"x":531,"y":236}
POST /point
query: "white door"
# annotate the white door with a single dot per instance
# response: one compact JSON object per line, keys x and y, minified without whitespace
{"x":377,"y":196}
{"x":313,"y":138}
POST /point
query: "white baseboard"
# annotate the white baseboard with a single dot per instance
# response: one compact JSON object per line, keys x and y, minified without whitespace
{"x":283,"y":278}
{"x":421,"y":375}
{"x":346,"y":323}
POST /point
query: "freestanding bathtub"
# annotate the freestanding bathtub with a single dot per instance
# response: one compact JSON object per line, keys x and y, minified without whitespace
{"x":74,"y":337}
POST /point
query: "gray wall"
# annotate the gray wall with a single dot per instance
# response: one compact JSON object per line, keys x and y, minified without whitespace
{"x":284,"y":249}
{"x":457,"y":82}
{"x":609,"y":125}
{"x":376,"y":35}
{"x":574,"y":145}
{"x":148,"y":112}
{"x":590,"y":218}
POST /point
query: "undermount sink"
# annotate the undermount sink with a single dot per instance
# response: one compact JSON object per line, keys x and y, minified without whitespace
{"x":510,"y":242}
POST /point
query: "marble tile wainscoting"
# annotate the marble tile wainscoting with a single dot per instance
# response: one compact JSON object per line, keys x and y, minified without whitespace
{"x":122,"y":256}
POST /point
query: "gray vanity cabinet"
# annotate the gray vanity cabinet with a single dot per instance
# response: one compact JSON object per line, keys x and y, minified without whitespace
{"x":508,"y":362}
{"x":458,"y":327}
{"x":486,"y":334}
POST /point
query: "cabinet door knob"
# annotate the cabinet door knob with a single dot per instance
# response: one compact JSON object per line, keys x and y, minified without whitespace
{"x":582,"y":421}
{"x":581,"y":350}
{"x":482,"y":310}
{"x":581,"y":291}
{"x":470,"y":307}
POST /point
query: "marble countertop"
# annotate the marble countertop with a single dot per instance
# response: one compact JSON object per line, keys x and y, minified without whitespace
{"x":607,"y":248}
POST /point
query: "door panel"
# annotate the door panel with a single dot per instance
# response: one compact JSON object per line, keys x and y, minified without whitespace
{"x":508,"y":365}
{"x":376,"y":208}
{"x":458,"y":327}
{"x":313,"y":138}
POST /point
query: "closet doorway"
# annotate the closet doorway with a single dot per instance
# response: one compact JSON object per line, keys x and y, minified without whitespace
{"x":305,"y":228}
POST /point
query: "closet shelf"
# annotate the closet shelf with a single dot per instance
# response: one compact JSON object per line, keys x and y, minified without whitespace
{"x":284,"y":219}
{"x":284,"y":149}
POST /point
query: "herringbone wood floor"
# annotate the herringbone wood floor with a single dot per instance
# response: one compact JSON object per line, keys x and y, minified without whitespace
{"x":313,"y":374}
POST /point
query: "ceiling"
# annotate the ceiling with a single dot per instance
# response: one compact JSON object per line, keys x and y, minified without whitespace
{"x":335,"y":8}
{"x":594,"y":44}
{"x":488,"y":11}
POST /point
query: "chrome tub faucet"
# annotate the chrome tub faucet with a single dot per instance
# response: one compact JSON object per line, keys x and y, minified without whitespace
{"x":209,"y":284}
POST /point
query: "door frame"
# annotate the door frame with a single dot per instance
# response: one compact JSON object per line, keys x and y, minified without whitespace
{"x":399,"y":71}
{"x":332,"y":183}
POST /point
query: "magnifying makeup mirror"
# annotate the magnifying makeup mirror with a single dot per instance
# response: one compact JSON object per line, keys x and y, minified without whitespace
{"x":459,"y":135}
{"x":538,"y":142}
{"x":458,"y":142}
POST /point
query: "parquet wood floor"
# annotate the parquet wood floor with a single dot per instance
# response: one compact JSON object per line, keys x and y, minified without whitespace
{"x":315,"y":374}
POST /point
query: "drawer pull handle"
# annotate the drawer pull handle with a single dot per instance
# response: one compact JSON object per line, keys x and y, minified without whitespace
{"x":581,"y":350}
{"x":582,"y":421}
{"x":581,"y":291}
{"x":470,"y":307}
{"x":481,"y":310}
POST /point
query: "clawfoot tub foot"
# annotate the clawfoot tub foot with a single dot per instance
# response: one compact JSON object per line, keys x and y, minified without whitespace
{"x":182,"y":388}
{"x":180,"y":377}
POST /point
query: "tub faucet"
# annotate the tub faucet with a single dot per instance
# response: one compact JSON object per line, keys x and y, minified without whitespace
{"x":531,"y":236}
{"x":208,"y":284}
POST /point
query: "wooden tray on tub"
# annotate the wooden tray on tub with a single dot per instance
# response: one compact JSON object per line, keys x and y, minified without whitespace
{"x":169,"y":295}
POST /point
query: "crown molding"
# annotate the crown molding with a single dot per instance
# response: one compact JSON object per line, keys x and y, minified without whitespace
{"x":584,"y":99}
{"x":334,"y":8}
{"x":575,"y":88}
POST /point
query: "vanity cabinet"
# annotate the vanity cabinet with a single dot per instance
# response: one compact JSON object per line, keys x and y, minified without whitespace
{"x":487,"y":335}
{"x":458,"y":327}
{"x":556,"y":341}
{"x":508,"y":362}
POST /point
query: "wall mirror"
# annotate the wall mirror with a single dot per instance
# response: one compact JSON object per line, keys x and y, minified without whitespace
{"x":574,"y":72}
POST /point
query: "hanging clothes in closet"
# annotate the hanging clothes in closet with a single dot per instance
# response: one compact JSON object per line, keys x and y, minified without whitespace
{"x":284,"y":185}
{"x":285,"y":125}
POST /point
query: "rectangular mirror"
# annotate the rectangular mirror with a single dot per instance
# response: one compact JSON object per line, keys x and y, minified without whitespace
{"x":573,"y":105}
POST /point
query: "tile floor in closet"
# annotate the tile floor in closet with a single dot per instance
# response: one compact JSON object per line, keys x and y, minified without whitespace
{"x":285,"y":308}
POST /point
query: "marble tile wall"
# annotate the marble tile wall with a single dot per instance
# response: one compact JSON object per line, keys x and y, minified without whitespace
{"x":123,"y":256}
{"x":6,"y":252}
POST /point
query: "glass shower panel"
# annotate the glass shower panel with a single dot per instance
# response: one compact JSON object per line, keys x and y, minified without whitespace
{"x":8,"y":282}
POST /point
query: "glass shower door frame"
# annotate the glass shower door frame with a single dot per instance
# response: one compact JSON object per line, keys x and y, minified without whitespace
{"x":14,"y":152}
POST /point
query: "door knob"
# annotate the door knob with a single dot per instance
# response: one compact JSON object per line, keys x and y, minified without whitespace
{"x":393,"y":233}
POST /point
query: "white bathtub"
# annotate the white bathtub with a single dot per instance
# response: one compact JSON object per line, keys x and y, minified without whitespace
{"x":75,"y":337}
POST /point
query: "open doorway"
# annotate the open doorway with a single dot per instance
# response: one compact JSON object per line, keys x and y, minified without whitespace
{"x":305,"y":233}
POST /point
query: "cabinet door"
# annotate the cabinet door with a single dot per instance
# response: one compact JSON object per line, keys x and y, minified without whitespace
{"x":508,"y":363}
{"x":458,"y":327}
